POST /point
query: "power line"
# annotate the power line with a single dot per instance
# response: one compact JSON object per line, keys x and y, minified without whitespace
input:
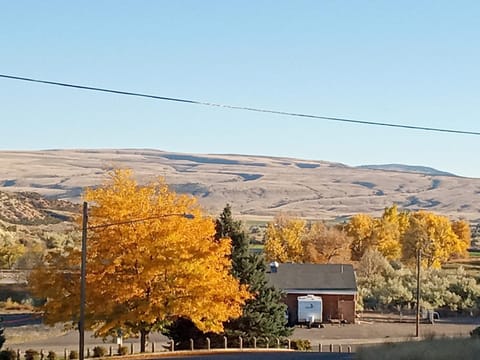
{"x":244,"y":108}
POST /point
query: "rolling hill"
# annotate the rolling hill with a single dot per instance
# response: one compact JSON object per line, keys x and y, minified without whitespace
{"x":256,"y":186}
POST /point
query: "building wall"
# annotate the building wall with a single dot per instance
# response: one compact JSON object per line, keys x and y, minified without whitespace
{"x":341,"y":307}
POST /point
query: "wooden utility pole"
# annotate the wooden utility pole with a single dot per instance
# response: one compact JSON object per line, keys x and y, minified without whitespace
{"x":417,"y":320}
{"x":83,"y":286}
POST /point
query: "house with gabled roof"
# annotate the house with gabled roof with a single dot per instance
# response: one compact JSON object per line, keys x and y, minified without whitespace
{"x":335,"y":284}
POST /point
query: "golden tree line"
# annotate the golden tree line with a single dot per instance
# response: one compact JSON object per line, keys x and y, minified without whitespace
{"x":396,"y":235}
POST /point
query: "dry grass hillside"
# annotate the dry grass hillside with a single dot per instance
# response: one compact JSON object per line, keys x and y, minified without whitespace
{"x":255,"y":186}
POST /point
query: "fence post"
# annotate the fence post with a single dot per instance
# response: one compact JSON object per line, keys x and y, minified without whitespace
{"x":331,"y":347}
{"x":320,"y":348}
{"x":340,"y":348}
{"x":278,"y":343}
{"x":153,"y":347}
{"x":208,"y":343}
{"x":267,"y":340}
{"x":131,"y":348}
{"x":172,"y":346}
{"x":225,"y":341}
{"x":349,"y":349}
{"x":254,"y":342}
{"x":240,"y":342}
{"x":191,"y":344}
{"x":289,"y":344}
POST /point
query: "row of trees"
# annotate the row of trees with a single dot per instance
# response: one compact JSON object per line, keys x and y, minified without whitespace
{"x":161,"y":273}
{"x":396,"y":235}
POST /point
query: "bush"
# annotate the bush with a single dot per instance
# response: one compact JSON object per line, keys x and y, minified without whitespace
{"x":475,"y":333}
{"x":73,"y":355}
{"x":99,"y":351}
{"x":31,"y":354}
{"x":8,"y":355}
{"x":123,"y":350}
{"x":301,"y":344}
{"x":51,"y":355}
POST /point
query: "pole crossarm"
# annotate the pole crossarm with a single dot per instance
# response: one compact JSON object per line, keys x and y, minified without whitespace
{"x":124,"y":222}
{"x":85,"y":227}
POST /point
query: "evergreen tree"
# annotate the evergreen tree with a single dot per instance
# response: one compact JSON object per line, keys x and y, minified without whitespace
{"x":263,"y":316}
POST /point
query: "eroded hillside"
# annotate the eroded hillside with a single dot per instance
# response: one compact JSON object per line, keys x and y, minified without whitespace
{"x":254,"y":185}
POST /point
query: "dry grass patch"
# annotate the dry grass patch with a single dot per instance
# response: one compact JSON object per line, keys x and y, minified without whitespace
{"x":10,"y":305}
{"x":439,"y":349}
{"x":28,"y":333}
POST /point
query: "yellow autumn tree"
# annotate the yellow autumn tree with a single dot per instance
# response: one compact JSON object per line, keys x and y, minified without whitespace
{"x":283,"y":239}
{"x":326,"y":244}
{"x":461,"y":228}
{"x":387,"y":231}
{"x":360,"y":230}
{"x":147,"y":264}
{"x":433,"y":235}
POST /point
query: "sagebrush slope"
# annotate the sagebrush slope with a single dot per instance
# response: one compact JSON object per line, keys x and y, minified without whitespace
{"x":254,"y":185}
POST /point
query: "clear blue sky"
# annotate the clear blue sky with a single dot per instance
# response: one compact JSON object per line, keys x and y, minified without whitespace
{"x":410,"y":62}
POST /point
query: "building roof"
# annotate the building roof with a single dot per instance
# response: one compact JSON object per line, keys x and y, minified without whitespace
{"x":319,"y":278}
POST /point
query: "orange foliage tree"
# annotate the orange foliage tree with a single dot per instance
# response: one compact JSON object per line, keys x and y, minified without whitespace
{"x":143,"y":274}
{"x":326,"y":244}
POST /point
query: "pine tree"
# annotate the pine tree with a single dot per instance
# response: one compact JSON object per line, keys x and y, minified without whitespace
{"x":264,"y":315}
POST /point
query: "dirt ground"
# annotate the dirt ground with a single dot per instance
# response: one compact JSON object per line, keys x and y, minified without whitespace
{"x":376,"y":328}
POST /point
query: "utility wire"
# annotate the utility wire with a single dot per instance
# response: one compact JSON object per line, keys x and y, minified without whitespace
{"x":244,"y":108}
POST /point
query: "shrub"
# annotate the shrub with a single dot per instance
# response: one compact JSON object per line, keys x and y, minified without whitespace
{"x":301,"y":344}
{"x":51,"y":355}
{"x":73,"y":355}
{"x":475,"y":333}
{"x":8,"y":354}
{"x":31,"y":354}
{"x":123,"y":350}
{"x":99,"y":351}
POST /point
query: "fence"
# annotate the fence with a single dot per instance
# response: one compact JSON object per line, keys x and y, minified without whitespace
{"x":255,"y":344}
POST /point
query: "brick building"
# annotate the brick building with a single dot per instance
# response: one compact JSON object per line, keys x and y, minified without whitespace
{"x":334,"y":283}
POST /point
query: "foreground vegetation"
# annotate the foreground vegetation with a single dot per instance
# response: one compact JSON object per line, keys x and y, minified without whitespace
{"x":438,"y":349}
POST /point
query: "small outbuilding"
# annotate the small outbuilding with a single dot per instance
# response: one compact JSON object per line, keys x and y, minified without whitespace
{"x":331,"y":287}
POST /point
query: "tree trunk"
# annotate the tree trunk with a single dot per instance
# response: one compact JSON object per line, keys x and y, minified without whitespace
{"x":143,"y":340}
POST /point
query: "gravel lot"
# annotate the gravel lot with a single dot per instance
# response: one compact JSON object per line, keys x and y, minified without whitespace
{"x":371,"y":330}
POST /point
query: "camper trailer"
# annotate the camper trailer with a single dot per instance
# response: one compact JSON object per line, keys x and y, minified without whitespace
{"x":310,"y":310}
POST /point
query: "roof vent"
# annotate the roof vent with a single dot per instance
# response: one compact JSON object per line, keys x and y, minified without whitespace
{"x":274,"y":266}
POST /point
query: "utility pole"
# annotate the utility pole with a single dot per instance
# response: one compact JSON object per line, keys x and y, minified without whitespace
{"x":83,"y":286}
{"x":83,"y":280}
{"x":417,"y":320}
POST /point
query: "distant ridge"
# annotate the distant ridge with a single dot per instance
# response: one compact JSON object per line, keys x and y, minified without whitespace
{"x":407,"y":168}
{"x":255,"y":186}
